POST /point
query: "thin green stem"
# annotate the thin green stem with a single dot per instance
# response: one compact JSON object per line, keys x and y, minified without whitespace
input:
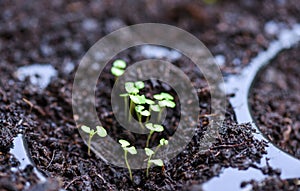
{"x":126,"y":106}
{"x":157,"y":149}
{"x":148,"y":162}
{"x":148,"y":166}
{"x":148,"y":139}
{"x":140,"y":120}
{"x":130,"y":110}
{"x":147,"y":119}
{"x":127,"y":164}
{"x":159,"y":115}
{"x":139,"y":117}
{"x":89,"y":144}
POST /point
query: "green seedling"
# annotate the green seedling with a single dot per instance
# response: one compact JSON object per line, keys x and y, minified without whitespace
{"x":163,"y":96}
{"x":153,"y":128}
{"x":118,"y":67}
{"x":162,"y":142}
{"x":132,"y":89}
{"x":100,"y":131}
{"x":164,"y":100}
{"x":141,"y":112}
{"x":150,"y":153}
{"x":132,"y":150}
{"x":157,"y":162}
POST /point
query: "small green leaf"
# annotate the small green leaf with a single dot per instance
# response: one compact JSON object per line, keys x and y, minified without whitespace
{"x":167,"y":103}
{"x":119,"y":64}
{"x":142,"y":99}
{"x":155,"y":108}
{"x":149,"y":101}
{"x":163,"y":142}
{"x":131,"y":150}
{"x":85,"y":129}
{"x":158,"y":97}
{"x":138,"y":99}
{"x":139,"y":85}
{"x":139,"y":108}
{"x":101,"y":131}
{"x":157,"y":162}
{"x":117,"y":71}
{"x":145,"y":113}
{"x":149,"y":152}
{"x":129,"y":87}
{"x":124,"y":143}
{"x":166,"y":96}
{"x":158,"y":128}
{"x":124,"y":95}
{"x":150,"y":126}
{"x":135,"y":99}
{"x":154,"y":127}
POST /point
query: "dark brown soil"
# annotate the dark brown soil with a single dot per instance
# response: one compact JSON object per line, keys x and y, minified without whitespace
{"x":17,"y":179}
{"x":275,"y":101}
{"x":60,"y":32}
{"x":274,"y":183}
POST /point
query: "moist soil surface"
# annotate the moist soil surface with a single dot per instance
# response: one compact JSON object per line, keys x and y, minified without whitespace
{"x":275,"y":101}
{"x":60,"y":32}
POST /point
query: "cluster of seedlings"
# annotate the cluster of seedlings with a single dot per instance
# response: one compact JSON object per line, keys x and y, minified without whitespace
{"x":143,"y":108}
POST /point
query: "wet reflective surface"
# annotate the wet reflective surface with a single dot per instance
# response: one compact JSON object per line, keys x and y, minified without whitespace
{"x":20,"y":151}
{"x":240,"y":85}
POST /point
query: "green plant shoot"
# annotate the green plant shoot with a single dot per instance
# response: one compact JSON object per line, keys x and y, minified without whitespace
{"x":100,"y":131}
{"x":153,"y":128}
{"x":132,"y":89}
{"x":140,"y":111}
{"x":164,"y":100}
{"x":132,"y":150}
{"x":118,"y":67}
{"x":150,"y":153}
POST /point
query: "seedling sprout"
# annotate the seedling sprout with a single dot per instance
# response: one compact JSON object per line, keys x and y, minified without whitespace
{"x":118,"y":68}
{"x":100,"y":131}
{"x":132,"y":89}
{"x":132,"y":150}
{"x":150,"y":153}
{"x":164,"y":100}
{"x":153,"y":128}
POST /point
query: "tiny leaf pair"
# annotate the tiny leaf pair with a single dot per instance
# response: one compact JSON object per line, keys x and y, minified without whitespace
{"x":125,"y":144}
{"x":153,"y":128}
{"x":100,"y":131}
{"x":150,"y":153}
{"x":134,"y":87}
{"x":157,"y":162}
{"x":118,"y":68}
{"x":132,"y":150}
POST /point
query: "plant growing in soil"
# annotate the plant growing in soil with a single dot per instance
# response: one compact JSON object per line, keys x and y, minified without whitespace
{"x":118,"y":67}
{"x":100,"y":131}
{"x":153,"y":128}
{"x":140,"y":110}
{"x":132,"y":89}
{"x":125,"y":146}
{"x":164,"y":100}
{"x":150,"y":153}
